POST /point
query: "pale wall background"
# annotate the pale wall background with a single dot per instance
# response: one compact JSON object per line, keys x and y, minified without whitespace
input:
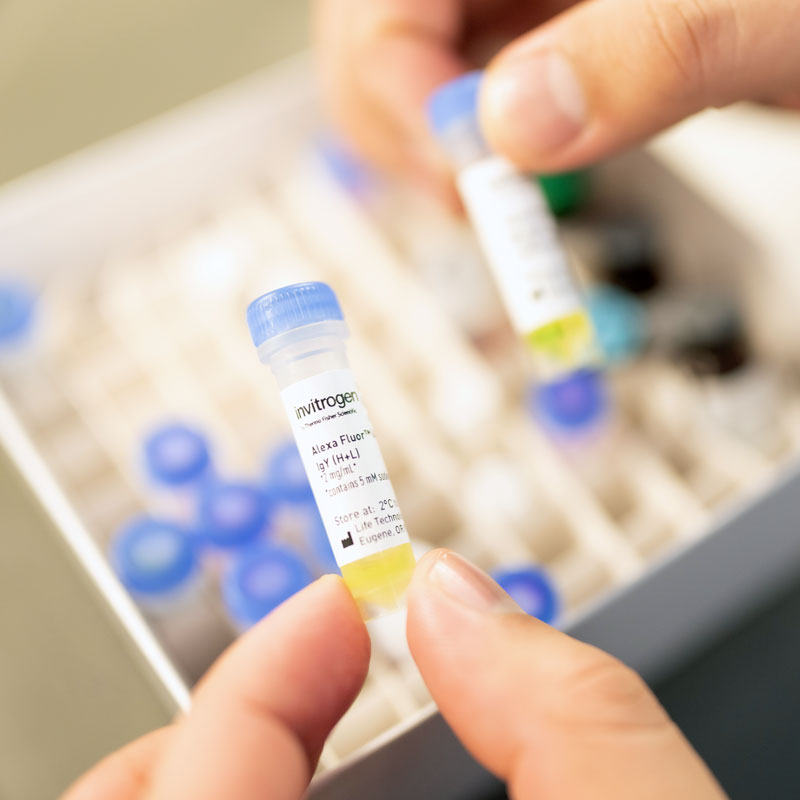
{"x":75,"y":71}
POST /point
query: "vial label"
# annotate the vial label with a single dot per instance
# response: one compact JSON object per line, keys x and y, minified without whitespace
{"x":344,"y":465}
{"x":520,"y":240}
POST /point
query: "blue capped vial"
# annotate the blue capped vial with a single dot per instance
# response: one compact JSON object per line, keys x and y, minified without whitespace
{"x":620,"y":322}
{"x":286,"y":475}
{"x":532,"y":590}
{"x":17,"y":310}
{"x":259,"y":580}
{"x":154,"y":558}
{"x":299,"y":331}
{"x":572,"y":406}
{"x":176,"y":455}
{"x":232,"y":515}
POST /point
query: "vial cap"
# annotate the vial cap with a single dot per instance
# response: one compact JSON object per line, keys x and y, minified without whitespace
{"x":16,"y":311}
{"x":232,"y":515}
{"x":291,"y":307}
{"x":260,"y":579}
{"x":175,"y":454}
{"x":532,"y":590}
{"x":152,"y":556}
{"x":619,"y":322}
{"x":454,"y":100}
{"x":571,"y":405}
{"x":286,"y":475}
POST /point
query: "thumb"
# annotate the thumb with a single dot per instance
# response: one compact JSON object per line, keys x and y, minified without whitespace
{"x":605,"y":75}
{"x":550,"y":715}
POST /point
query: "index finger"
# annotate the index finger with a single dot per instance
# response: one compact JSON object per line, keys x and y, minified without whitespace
{"x":260,"y":717}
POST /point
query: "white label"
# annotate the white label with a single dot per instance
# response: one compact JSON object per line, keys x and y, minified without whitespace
{"x":519,"y":238}
{"x":344,"y":465}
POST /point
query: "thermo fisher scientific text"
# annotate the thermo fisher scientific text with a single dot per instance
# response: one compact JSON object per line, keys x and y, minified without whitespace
{"x":300,"y":332}
{"x":517,"y":234}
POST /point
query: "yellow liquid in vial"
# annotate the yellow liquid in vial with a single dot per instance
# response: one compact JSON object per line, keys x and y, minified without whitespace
{"x":379,"y":582}
{"x":566,"y":343}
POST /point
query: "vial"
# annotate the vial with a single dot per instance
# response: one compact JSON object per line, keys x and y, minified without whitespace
{"x":156,"y":561}
{"x":177,"y":464}
{"x":295,"y":516}
{"x":300,"y":332}
{"x":532,"y":590}
{"x":518,"y":235}
{"x":17,"y":316}
{"x":258,"y":580}
{"x":232,"y":516}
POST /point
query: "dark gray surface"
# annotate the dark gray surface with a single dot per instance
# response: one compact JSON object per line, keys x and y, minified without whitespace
{"x":656,"y":625}
{"x":72,"y":688}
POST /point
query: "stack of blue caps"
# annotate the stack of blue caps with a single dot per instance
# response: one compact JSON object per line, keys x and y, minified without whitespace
{"x":232,"y":515}
{"x":531,"y":589}
{"x":153,"y":557}
{"x":17,"y":304}
{"x":176,"y":455}
{"x":260,"y":579}
{"x":571,"y":406}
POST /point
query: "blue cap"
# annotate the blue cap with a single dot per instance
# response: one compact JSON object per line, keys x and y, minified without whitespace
{"x":286,"y":475}
{"x":152,"y":556}
{"x":16,"y":311}
{"x":232,"y":515}
{"x":532,"y":590}
{"x":454,"y":100}
{"x":260,"y":579}
{"x":619,"y":322}
{"x":349,"y":171}
{"x":291,"y":307}
{"x":175,"y":454}
{"x":571,"y":405}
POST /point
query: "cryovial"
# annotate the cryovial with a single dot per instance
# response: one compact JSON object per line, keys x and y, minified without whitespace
{"x":178,"y":464}
{"x":708,"y":336}
{"x":300,"y":332}
{"x":620,"y":322}
{"x":518,"y":235}
{"x":157,"y":563}
{"x":532,"y":590}
{"x":17,"y":312}
{"x":295,"y":516}
{"x":231,"y":517}
{"x":259,"y":579}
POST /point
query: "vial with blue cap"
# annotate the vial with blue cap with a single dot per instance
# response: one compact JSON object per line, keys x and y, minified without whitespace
{"x":531,"y":589}
{"x":518,"y":235}
{"x":295,"y":516}
{"x":300,"y":332}
{"x":177,"y":463}
{"x":259,"y":579}
{"x":17,"y":315}
{"x":232,"y":516}
{"x":157,"y":563}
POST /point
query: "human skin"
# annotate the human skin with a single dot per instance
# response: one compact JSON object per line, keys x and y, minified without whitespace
{"x":574,"y":82}
{"x":553,"y":717}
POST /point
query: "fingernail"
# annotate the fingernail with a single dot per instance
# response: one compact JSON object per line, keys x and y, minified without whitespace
{"x":534,"y":101}
{"x":466,"y":584}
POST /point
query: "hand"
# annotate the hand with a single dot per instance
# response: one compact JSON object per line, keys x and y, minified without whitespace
{"x":259,"y":718}
{"x":553,"y":717}
{"x":580,"y":82}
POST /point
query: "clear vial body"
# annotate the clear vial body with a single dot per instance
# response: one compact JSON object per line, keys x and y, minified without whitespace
{"x":378,"y":582}
{"x":520,"y":240}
